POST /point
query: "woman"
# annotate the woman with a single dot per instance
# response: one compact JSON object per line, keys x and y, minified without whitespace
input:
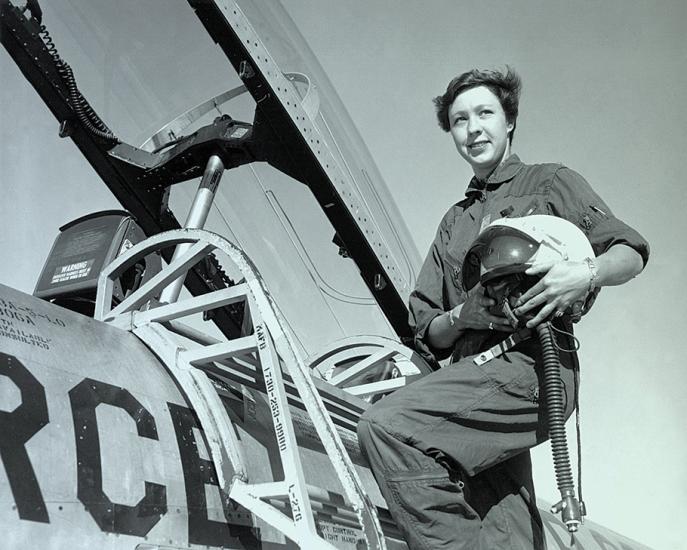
{"x":451,"y":451}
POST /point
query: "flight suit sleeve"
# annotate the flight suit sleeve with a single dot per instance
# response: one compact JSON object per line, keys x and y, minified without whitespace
{"x":428,"y":299}
{"x":572,"y":198}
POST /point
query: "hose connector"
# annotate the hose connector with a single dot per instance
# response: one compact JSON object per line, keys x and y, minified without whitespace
{"x":571,"y":510}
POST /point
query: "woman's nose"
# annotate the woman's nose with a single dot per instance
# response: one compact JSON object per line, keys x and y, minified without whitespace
{"x":474,"y":126}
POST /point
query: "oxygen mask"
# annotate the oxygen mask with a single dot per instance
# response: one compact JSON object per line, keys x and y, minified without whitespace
{"x":506,"y":291}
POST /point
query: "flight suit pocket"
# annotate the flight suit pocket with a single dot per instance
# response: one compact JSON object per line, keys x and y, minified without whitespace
{"x":514,"y":373}
{"x":519,"y":207}
{"x":425,"y":496}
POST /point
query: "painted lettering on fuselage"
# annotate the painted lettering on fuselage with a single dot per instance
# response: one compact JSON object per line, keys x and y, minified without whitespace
{"x":31,"y":416}
{"x":17,"y":428}
{"x":23,"y":324}
{"x":110,"y":516}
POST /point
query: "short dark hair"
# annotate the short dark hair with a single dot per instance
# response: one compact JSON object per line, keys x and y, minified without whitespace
{"x":505,"y":85}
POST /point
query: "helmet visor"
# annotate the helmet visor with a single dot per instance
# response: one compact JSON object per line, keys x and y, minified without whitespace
{"x":498,"y":251}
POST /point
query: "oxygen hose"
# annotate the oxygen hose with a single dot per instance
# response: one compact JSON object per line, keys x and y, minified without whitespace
{"x":569,"y":506}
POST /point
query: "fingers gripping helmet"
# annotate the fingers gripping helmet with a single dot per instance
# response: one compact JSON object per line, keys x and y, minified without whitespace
{"x":507,"y":247}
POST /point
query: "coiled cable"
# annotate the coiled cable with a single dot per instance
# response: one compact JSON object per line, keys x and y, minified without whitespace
{"x":83,"y":110}
{"x":569,"y":506}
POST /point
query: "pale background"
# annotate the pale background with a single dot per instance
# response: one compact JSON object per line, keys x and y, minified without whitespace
{"x":603,"y":93}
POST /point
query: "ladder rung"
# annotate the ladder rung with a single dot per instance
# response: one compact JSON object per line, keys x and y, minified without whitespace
{"x":205,"y":302}
{"x":168,"y":274}
{"x":271,"y":490}
{"x":208,"y":354}
{"x":369,"y":362}
{"x":378,"y":387}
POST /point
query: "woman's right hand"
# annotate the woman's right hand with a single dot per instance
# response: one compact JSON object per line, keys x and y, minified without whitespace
{"x":475,"y":313}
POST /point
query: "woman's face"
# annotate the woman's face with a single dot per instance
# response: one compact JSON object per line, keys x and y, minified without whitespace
{"x":480,"y":130}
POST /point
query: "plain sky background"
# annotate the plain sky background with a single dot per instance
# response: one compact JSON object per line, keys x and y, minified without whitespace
{"x":603,"y":93}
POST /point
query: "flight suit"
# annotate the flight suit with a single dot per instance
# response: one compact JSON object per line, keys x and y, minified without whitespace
{"x":450,"y":452}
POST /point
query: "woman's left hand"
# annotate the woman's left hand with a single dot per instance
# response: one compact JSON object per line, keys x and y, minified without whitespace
{"x":563,"y":284}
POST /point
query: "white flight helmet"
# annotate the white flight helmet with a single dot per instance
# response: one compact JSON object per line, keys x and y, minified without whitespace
{"x":511,"y":245}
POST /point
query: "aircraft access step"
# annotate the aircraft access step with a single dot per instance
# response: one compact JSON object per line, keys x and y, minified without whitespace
{"x":265,"y":354}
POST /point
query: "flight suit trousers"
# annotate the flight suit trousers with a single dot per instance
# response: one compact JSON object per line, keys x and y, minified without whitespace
{"x":450,"y":453}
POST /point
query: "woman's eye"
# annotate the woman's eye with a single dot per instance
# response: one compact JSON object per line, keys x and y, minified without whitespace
{"x":485,"y":112}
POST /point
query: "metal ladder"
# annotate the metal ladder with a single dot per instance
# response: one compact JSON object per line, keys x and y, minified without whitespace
{"x":273,"y":346}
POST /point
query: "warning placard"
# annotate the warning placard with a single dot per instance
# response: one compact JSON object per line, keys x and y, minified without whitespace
{"x":72,"y":271}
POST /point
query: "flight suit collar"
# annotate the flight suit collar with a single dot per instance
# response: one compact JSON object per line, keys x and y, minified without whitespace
{"x":506,"y":171}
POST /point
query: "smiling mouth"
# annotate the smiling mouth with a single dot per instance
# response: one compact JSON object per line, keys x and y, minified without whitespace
{"x":478,"y":146}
